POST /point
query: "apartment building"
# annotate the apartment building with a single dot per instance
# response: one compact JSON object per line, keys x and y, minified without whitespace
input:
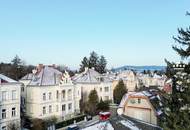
{"x":9,"y":103}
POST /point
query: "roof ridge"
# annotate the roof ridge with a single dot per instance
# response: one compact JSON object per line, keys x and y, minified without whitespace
{"x":42,"y":76}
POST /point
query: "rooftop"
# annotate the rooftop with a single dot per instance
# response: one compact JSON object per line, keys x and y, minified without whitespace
{"x":5,"y":79}
{"x":90,"y":76}
{"x":152,"y":95}
{"x":46,"y":75}
{"x":122,"y":123}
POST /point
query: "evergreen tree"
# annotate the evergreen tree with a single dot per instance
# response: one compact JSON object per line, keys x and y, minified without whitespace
{"x":84,"y":63}
{"x":16,"y":61}
{"x":93,"y":101}
{"x":119,"y":91}
{"x":99,"y":64}
{"x":103,"y":105}
{"x":93,"y":60}
{"x":102,"y":65}
{"x":17,"y":67}
{"x":178,"y":103}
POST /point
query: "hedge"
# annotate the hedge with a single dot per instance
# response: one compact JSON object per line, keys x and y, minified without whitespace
{"x":69,"y":122}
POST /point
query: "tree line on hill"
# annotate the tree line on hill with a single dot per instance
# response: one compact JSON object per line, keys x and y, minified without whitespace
{"x":16,"y":69}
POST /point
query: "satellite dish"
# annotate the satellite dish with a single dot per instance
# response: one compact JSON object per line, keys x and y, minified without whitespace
{"x":119,"y":111}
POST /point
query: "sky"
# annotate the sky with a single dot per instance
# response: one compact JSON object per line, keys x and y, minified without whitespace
{"x":126,"y":32}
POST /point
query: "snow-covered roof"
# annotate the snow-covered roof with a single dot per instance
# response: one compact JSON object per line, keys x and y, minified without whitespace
{"x":157,"y":76}
{"x":5,"y":79}
{"x":127,"y":123}
{"x":100,"y":126}
{"x":47,"y":76}
{"x":90,"y":76}
{"x":120,"y":123}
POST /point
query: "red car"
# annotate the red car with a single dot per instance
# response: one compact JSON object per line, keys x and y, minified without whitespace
{"x":104,"y":115}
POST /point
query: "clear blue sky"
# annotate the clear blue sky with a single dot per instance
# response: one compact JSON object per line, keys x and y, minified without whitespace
{"x":133,"y":32}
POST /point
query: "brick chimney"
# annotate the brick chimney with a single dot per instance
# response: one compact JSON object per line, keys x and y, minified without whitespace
{"x":40,"y":67}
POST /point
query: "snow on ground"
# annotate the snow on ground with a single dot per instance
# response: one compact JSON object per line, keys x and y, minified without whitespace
{"x":100,"y":126}
{"x":129,"y":124}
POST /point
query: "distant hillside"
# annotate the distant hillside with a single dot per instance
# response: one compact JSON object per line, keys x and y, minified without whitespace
{"x":140,"y":68}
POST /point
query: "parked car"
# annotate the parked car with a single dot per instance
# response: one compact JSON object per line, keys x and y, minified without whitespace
{"x":104,"y":116}
{"x":88,"y":117}
{"x":73,"y":127}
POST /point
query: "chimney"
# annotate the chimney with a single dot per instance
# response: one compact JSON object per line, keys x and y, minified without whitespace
{"x":34,"y":71}
{"x":53,"y":65}
{"x":85,"y":69}
{"x":40,"y":67}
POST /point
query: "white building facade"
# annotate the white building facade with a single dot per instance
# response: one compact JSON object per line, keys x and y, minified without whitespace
{"x":90,"y":80}
{"x":49,"y":93}
{"x":9,"y":103}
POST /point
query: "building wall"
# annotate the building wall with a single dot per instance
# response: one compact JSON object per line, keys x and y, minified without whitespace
{"x":141,"y":109}
{"x":9,"y":104}
{"x":129,"y":80}
{"x":130,"y":85}
{"x":35,"y":101}
{"x":104,"y":90}
{"x":150,"y":81}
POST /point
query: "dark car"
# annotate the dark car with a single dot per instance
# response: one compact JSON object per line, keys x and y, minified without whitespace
{"x":88,"y":117}
{"x":73,"y":127}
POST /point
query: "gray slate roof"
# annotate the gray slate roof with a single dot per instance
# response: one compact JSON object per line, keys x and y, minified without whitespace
{"x":29,"y":76}
{"x":47,"y":76}
{"x":90,"y":76}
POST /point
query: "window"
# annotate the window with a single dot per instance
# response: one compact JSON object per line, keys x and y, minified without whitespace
{"x":4,"y":96}
{"x":44,"y":110}
{"x":69,"y":94}
{"x":3,"y":113}
{"x":57,"y":94}
{"x":70,"y":106}
{"x":4,"y":128}
{"x":139,"y":100}
{"x":13,"y":94}
{"x":63,"y":94}
{"x":101,"y":89}
{"x":50,"y":109}
{"x":132,"y":101}
{"x":22,"y":89}
{"x":66,"y":80}
{"x":63,"y":107}
{"x":106,"y":89}
{"x":13,"y":112}
{"x":44,"y":96}
{"x":106,"y":98}
{"x":57,"y":108}
{"x":50,"y":95}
